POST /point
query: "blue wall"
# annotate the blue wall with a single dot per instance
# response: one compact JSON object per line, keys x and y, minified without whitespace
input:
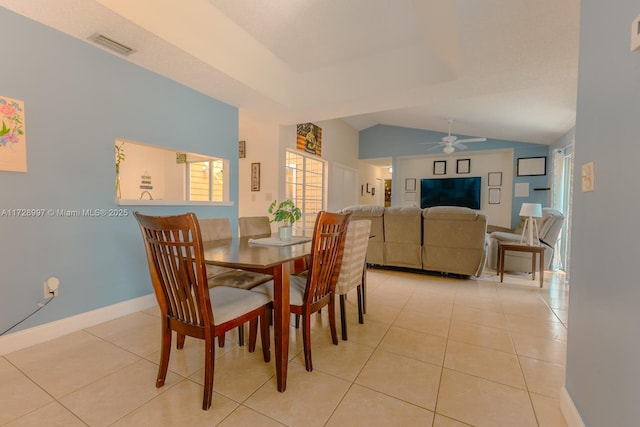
{"x":603,"y":347}
{"x":78,"y":99}
{"x":391,"y":141}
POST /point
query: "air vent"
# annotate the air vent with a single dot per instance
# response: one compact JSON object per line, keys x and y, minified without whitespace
{"x":110,"y":44}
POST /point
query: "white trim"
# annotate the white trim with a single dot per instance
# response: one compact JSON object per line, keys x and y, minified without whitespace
{"x":569,"y":410}
{"x":146,"y":202}
{"x":38,"y":334}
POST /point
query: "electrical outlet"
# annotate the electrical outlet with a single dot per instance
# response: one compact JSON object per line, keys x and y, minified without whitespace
{"x":51,"y":287}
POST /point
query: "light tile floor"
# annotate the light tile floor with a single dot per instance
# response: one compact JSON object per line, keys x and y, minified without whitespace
{"x":433,"y":351}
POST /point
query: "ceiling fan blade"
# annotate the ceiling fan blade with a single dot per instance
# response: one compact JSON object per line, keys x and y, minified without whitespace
{"x":471,"y":140}
{"x":431,"y":143}
{"x":435,"y":147}
{"x":461,"y":147}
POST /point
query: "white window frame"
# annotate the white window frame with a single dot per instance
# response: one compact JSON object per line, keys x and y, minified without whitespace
{"x":308,"y":217}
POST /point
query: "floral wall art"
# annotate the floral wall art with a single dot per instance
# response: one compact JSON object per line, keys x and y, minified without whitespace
{"x":13,"y":150}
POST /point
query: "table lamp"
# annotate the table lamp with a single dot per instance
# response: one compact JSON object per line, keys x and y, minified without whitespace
{"x":530,"y":211}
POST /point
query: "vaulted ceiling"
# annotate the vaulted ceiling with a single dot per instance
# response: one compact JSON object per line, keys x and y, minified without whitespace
{"x":504,"y":69}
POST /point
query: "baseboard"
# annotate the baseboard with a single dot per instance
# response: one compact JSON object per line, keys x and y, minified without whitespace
{"x":569,"y":410}
{"x":38,"y":334}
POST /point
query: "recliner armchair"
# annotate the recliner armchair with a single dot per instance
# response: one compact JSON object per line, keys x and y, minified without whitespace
{"x":549,"y":227}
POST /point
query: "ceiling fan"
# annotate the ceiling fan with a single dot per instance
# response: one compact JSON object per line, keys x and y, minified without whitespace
{"x":451,"y":142}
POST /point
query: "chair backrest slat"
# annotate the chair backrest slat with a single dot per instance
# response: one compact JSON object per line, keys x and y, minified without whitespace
{"x":327,"y":247}
{"x":176,"y":262}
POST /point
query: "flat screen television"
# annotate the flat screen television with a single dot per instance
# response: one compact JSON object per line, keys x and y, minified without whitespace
{"x":450,"y":192}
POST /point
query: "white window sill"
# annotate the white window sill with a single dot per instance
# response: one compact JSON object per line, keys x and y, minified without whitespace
{"x":137,"y":202}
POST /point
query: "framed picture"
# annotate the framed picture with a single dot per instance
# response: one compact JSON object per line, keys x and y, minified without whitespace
{"x":440,"y":167}
{"x":362,"y":190}
{"x":410,"y":184}
{"x":495,"y":179}
{"x":255,"y":176}
{"x":531,"y":166}
{"x":494,"y":196}
{"x":373,"y":191}
{"x":242,"y":149}
{"x":463,"y":166}
{"x":368,"y":188}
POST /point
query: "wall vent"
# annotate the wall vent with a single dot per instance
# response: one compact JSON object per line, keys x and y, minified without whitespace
{"x":110,"y":44}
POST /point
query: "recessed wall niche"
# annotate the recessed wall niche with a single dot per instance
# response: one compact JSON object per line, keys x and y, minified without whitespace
{"x":150,"y":174}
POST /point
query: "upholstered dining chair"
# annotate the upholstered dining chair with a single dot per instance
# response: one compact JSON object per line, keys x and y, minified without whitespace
{"x":187,"y":305}
{"x":254,"y":226}
{"x":316,"y":289}
{"x":353,"y":269}
{"x":213,"y":229}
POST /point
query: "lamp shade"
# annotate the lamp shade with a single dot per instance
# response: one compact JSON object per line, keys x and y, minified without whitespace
{"x":533,"y":210}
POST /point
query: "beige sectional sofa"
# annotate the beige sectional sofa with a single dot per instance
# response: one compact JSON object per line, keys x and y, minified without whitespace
{"x":445,"y":239}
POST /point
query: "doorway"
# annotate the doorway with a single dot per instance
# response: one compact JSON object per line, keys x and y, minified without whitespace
{"x":561,"y":200}
{"x":387,"y":192}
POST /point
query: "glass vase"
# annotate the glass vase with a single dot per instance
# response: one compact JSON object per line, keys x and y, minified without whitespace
{"x":284,"y":232}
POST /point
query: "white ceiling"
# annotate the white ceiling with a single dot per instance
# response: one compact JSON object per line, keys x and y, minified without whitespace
{"x":504,"y":69}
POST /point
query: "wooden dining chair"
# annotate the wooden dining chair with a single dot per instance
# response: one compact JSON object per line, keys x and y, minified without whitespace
{"x":353,"y":269}
{"x":213,"y":229}
{"x":254,"y":226}
{"x":187,"y":305}
{"x":316,"y":289}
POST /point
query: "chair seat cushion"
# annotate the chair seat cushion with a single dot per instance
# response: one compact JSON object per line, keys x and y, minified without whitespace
{"x":239,"y":279}
{"x":229,"y":303}
{"x":215,"y":270}
{"x":297,"y":286}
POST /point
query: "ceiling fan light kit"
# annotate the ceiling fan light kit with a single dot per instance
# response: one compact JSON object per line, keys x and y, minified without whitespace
{"x":450,"y":142}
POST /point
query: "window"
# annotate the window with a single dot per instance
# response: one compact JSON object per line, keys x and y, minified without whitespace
{"x":206,"y":181}
{"x":304,"y":184}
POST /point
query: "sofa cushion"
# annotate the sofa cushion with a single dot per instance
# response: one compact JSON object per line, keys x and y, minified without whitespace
{"x":454,"y":240}
{"x":452,"y":213}
{"x":403,"y":237}
{"x":364,"y":210}
{"x":403,"y":225}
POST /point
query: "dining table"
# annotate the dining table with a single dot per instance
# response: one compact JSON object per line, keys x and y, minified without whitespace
{"x":269,"y":255}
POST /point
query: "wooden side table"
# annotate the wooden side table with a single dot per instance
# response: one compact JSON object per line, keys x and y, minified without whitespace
{"x":518,"y":247}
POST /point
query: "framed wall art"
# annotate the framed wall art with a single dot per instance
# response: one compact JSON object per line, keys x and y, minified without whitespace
{"x":410,"y":197}
{"x":531,"y":166}
{"x":410,"y":184}
{"x":494,"y":196}
{"x":463,"y":166}
{"x":13,"y":143}
{"x":440,"y":167}
{"x":242,"y":149}
{"x":309,"y":138}
{"x":255,"y":176}
{"x":495,"y":179}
